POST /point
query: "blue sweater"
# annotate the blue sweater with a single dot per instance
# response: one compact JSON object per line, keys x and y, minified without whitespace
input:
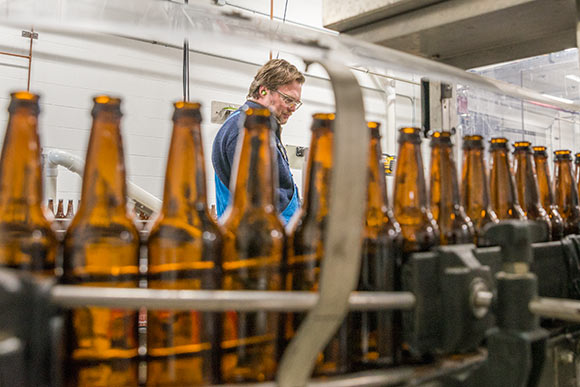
{"x":222,"y":158}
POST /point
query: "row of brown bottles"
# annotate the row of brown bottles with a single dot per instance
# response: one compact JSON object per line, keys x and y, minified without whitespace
{"x":250,"y":249}
{"x":60,"y":214}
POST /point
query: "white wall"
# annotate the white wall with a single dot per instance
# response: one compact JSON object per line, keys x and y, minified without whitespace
{"x":67,"y":71}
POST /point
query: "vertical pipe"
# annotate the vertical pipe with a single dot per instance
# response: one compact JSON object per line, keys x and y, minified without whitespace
{"x":271,"y":18}
{"x":30,"y":58}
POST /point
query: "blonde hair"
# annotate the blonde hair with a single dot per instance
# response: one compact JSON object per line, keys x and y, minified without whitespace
{"x":275,"y":73}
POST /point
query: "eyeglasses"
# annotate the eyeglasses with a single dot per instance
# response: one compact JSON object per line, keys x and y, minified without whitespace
{"x":290,"y":101}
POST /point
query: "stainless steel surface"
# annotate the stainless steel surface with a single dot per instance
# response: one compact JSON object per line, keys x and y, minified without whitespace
{"x":567,"y":310}
{"x":463,"y":33}
{"x":218,"y":300}
{"x":342,"y":241}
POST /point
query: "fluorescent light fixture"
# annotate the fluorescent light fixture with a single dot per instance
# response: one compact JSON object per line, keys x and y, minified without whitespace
{"x":565,"y":100}
{"x":573,"y":77}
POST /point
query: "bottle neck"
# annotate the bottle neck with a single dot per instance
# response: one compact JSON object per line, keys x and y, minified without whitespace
{"x":410,"y":191}
{"x":474,"y":190}
{"x":185,"y":184}
{"x":255,"y":170}
{"x":526,"y":184}
{"x":318,"y":172}
{"x":443,"y":181}
{"x":104,"y":177}
{"x":377,"y":201}
{"x":20,"y":165}
{"x":566,"y":192}
{"x":503,"y":194}
{"x":544,"y":185}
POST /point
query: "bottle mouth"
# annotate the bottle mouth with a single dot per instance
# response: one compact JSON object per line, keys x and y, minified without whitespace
{"x":539,"y":148}
{"x":499,"y":140}
{"x":563,"y":154}
{"x":472,"y":141}
{"x":258,"y":112}
{"x":522,"y":144}
{"x":24,"y":96}
{"x":107,"y":100}
{"x":186,"y":105}
{"x":440,"y":138}
{"x":324,"y":116}
{"x":409,"y":130}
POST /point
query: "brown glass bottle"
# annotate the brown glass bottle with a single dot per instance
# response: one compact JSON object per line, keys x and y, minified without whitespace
{"x":306,"y":232}
{"x":60,"y":210}
{"x":527,"y":187}
{"x":70,"y":213}
{"x":254,"y":243}
{"x":455,"y":227}
{"x":546,"y":191}
{"x":475,"y":188}
{"x":566,"y":192}
{"x":27,"y":241}
{"x":101,"y":248}
{"x":50,"y":206}
{"x":419,"y":229}
{"x":373,"y":336}
{"x":504,"y":200}
{"x":184,"y":250}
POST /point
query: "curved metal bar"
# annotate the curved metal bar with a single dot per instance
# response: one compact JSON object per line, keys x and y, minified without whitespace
{"x":218,"y":300}
{"x":341,"y":261}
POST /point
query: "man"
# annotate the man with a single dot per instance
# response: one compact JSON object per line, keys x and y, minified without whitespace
{"x":278,"y":87}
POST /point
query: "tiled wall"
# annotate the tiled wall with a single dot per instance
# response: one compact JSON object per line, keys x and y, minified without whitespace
{"x":68,"y":71}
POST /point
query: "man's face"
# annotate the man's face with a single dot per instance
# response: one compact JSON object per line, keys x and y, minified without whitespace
{"x":283,"y":102}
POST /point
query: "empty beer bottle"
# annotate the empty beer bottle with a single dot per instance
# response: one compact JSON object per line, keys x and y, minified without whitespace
{"x":527,"y":187}
{"x":306,"y":232}
{"x":27,"y":241}
{"x":51,"y":206}
{"x":374,"y":336}
{"x":101,"y":248}
{"x":70,"y":213}
{"x":504,"y":200}
{"x":60,"y":210}
{"x":475,"y":188}
{"x":184,"y":249}
{"x":546,"y":192}
{"x":419,"y":229}
{"x":566,"y":192}
{"x":253,"y":249}
{"x":454,"y":226}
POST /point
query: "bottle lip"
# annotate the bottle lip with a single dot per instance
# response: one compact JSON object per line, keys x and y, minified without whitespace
{"x":259,"y":112}
{"x":498,"y":143}
{"x":24,"y":96}
{"x":563,"y":154}
{"x":539,"y":148}
{"x":410,"y":134}
{"x":106,"y":100}
{"x":473,"y":141}
{"x":522,"y":144}
{"x":324,"y":116}
{"x":441,"y":138}
{"x":186,"y":105}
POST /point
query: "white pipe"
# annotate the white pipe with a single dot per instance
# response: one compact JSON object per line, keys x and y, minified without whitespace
{"x":75,"y":164}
